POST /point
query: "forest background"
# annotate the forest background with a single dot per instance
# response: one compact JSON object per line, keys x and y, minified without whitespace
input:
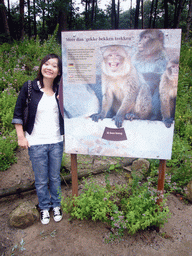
{"x":31,"y":29}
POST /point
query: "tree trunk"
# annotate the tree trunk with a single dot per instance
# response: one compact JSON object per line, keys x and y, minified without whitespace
{"x":178,"y":12}
{"x":131,"y":14}
{"x":155,"y":14}
{"x":189,"y":21}
{"x":43,"y":14}
{"x":95,"y":11}
{"x":117,"y":19}
{"x":62,"y":19}
{"x":175,"y":12}
{"x":34,"y":19}
{"x":142,"y":14}
{"x":29,"y":18}
{"x":92,"y":13}
{"x":151,"y":14}
{"x":137,"y":15}
{"x":21,"y":19}
{"x":166,"y":13}
{"x":113,"y":15}
{"x":86,"y":13}
{"x":4,"y":17}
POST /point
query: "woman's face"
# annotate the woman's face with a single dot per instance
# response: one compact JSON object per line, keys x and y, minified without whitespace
{"x":50,"y":69}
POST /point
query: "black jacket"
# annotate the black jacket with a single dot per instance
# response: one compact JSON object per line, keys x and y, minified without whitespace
{"x":36,"y":95}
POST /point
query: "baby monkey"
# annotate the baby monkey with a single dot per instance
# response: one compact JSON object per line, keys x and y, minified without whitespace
{"x":168,"y":91}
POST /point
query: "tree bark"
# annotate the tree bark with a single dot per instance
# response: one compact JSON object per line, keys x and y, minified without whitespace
{"x":34,"y":19}
{"x":29,"y":18}
{"x":4,"y":17}
{"x":151,"y":14}
{"x":113,"y":15}
{"x":178,"y":12}
{"x":189,"y":21}
{"x":92,"y":13}
{"x":166,"y":13}
{"x":155,"y":14}
{"x":21,"y":19}
{"x":117,"y":19}
{"x":137,"y":15}
{"x":142,"y":14}
{"x":131,"y":14}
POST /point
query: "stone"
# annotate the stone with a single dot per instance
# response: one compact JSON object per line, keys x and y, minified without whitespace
{"x":24,"y":215}
{"x":140,"y":165}
{"x":188,"y":191}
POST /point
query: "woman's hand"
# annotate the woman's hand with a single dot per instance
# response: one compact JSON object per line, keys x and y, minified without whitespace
{"x":22,"y":141}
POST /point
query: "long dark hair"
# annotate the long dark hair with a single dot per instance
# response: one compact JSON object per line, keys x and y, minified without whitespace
{"x":57,"y":79}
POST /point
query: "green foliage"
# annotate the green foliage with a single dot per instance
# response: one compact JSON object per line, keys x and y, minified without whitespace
{"x":179,"y":168}
{"x":8,"y":144}
{"x":19,"y":62}
{"x":7,"y":103}
{"x":132,"y":207}
{"x":183,"y":115}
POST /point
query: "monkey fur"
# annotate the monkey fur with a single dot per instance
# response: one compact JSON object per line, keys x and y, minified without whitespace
{"x":151,"y":60}
{"x":122,"y":88}
{"x":168,"y":91}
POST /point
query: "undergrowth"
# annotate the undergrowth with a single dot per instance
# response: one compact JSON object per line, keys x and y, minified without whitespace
{"x":130,"y":207}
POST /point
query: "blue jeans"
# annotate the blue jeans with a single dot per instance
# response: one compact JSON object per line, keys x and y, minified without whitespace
{"x":46,"y":162}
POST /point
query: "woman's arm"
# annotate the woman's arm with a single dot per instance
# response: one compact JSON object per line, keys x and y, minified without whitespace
{"x":22,"y":141}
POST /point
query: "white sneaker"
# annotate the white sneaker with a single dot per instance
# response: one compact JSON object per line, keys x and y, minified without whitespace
{"x":57,"y":214}
{"x":44,"y":216}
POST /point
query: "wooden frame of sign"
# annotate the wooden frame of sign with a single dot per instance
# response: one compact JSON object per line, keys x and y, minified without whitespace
{"x":160,"y":186}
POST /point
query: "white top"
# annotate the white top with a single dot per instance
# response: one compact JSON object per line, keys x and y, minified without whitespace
{"x":46,"y":128}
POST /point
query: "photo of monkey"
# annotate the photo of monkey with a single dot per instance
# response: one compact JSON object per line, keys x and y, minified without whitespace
{"x":119,"y":91}
{"x":123,"y":89}
{"x":168,"y":91}
{"x":150,"y":60}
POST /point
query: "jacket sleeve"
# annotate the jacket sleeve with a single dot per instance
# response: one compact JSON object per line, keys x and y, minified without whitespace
{"x":20,"y":105}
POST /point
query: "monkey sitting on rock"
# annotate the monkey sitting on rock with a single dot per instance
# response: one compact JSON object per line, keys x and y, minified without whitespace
{"x":123,"y":89}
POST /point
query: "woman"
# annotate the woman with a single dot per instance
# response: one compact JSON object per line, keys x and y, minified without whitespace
{"x":44,"y":134}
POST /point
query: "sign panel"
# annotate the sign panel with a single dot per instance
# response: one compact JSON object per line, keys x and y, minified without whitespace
{"x":119,"y":89}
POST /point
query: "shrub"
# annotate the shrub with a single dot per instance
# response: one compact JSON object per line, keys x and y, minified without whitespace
{"x":132,"y":207}
{"x":8,"y":144}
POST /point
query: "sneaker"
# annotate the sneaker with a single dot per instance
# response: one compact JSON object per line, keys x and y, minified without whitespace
{"x":57,"y":214}
{"x":44,"y":216}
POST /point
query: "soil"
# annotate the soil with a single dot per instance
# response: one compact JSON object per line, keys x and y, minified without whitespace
{"x":85,"y":238}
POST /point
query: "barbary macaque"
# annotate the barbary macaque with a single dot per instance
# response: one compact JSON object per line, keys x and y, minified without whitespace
{"x":168,"y":91}
{"x":123,"y":89}
{"x":151,"y":60}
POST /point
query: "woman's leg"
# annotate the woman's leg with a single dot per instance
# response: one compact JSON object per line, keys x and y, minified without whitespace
{"x":55,"y":159}
{"x":39,"y":158}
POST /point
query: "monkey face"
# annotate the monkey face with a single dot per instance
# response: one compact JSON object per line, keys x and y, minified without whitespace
{"x":114,"y":61}
{"x":151,"y":42}
{"x":144,"y":41}
{"x":173,"y":69}
{"x":114,"y":58}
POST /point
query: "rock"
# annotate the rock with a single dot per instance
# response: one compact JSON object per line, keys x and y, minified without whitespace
{"x":24,"y":215}
{"x":140,"y":165}
{"x":188,"y":191}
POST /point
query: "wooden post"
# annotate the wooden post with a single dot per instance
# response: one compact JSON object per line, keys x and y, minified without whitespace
{"x":74,"y":175}
{"x":161,"y":180}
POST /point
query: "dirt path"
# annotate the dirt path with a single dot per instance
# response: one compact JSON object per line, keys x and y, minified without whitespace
{"x":86,"y":238}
